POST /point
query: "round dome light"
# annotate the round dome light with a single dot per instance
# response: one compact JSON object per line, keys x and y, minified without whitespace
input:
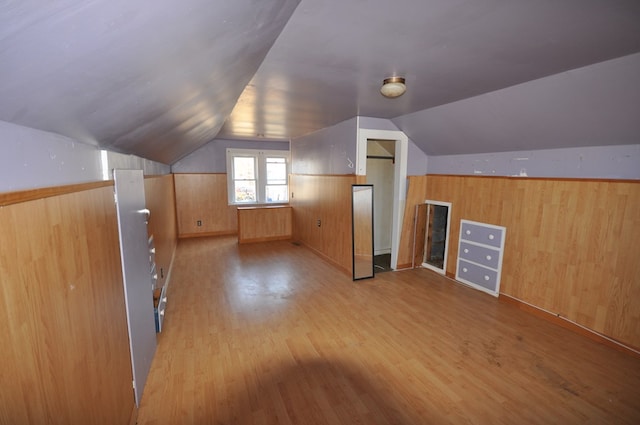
{"x":393,"y":87}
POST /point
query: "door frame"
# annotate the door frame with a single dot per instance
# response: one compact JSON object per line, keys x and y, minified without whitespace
{"x":399,"y":180}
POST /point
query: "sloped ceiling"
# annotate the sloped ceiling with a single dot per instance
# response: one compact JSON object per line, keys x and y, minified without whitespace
{"x":161,"y":78}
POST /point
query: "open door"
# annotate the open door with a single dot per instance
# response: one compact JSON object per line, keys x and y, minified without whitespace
{"x":138,"y":285}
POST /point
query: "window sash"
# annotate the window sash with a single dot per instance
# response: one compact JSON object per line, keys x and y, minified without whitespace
{"x":271,"y":171}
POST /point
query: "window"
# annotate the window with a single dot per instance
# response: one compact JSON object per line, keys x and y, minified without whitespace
{"x":257,"y":177}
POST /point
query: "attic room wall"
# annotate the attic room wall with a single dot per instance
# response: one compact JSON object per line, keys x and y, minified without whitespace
{"x":323,"y":165}
{"x":32,"y":159}
{"x":212,"y":157}
{"x":417,"y":161}
{"x":606,"y":162}
{"x":570,"y":243}
{"x":201,"y":188}
{"x":62,"y":229}
{"x":65,"y":355}
{"x":323,"y":170}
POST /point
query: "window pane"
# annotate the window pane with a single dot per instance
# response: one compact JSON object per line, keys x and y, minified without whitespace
{"x":244,"y":168}
{"x":245,"y":191}
{"x":276,"y":170}
{"x":277,"y":193}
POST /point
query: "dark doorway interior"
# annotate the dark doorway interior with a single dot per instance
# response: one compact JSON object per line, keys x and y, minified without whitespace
{"x":382,"y":263}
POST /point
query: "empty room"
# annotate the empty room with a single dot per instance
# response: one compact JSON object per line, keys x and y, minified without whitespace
{"x":320,"y":212}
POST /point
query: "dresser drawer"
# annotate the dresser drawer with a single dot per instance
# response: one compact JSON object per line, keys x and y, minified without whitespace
{"x":477,"y":276}
{"x":479,"y":254}
{"x":481,"y":234}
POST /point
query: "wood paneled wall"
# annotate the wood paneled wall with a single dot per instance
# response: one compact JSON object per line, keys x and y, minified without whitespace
{"x":65,"y":348}
{"x":204,"y":197}
{"x":260,"y":224}
{"x":571,"y":245}
{"x":328,"y":199}
{"x":160,"y":200}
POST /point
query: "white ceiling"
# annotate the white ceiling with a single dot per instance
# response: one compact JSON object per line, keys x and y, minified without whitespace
{"x":161,"y":78}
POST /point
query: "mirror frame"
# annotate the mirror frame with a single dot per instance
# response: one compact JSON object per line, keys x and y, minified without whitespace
{"x":447,"y":237}
{"x":355,"y":188}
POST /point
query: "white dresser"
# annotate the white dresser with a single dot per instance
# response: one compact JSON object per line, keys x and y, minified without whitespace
{"x":480,"y":251}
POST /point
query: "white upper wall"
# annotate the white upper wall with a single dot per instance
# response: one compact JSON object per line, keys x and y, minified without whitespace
{"x":212,"y":157}
{"x":33,"y":159}
{"x":331,"y":150}
{"x":610,"y":162}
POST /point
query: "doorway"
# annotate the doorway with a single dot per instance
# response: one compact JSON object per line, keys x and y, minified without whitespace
{"x":380,"y":171}
{"x":396,"y":202}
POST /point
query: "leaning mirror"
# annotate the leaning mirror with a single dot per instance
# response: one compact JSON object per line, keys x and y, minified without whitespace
{"x":436,"y":245}
{"x":362,"y":226}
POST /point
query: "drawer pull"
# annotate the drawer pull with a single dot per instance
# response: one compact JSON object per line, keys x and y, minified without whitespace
{"x":468,"y":232}
{"x":464,"y":269}
{"x":162,"y":312}
{"x":466,"y":251}
{"x":486,"y":277}
{"x":488,"y":257}
{"x":164,"y":300}
{"x":491,"y":237}
{"x":152,"y":250}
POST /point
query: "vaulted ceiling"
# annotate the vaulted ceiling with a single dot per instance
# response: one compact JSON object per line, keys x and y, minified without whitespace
{"x":161,"y":78}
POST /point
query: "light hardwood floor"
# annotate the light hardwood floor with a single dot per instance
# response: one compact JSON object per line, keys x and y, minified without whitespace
{"x":270,"y":334}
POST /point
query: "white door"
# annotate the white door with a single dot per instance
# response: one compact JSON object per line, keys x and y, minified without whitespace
{"x":134,"y":252}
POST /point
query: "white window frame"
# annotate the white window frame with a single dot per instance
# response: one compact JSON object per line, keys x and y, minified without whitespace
{"x":261,"y":173}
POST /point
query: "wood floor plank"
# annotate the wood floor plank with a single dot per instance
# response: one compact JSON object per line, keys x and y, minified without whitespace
{"x":268,"y":333}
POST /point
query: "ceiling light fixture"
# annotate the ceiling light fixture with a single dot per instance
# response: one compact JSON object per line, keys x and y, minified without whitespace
{"x":393,"y":87}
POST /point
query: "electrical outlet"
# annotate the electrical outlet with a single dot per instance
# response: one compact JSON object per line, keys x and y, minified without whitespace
{"x":199,"y":223}
{"x":161,"y":273}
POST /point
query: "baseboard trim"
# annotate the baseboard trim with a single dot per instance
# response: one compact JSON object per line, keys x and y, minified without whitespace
{"x":207,"y":234}
{"x":326,"y":258}
{"x":570,"y":325}
{"x":133,"y":419}
{"x":406,"y":266}
{"x":264,"y":239}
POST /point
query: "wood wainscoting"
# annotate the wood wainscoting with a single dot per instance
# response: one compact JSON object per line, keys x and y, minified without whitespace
{"x":264,"y":223}
{"x":203,"y":206}
{"x":571,"y":246}
{"x":65,"y":347}
{"x":322,"y":215}
{"x":160,"y":200}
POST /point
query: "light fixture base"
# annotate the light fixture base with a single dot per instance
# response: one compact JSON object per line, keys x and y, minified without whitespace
{"x":393,"y":87}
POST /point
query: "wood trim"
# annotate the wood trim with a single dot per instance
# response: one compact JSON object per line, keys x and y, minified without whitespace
{"x":571,"y":179}
{"x":265,"y":239}
{"x":570,"y":325}
{"x":206,"y":234}
{"x":10,"y":198}
{"x":196,"y":174}
{"x":325,"y":175}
